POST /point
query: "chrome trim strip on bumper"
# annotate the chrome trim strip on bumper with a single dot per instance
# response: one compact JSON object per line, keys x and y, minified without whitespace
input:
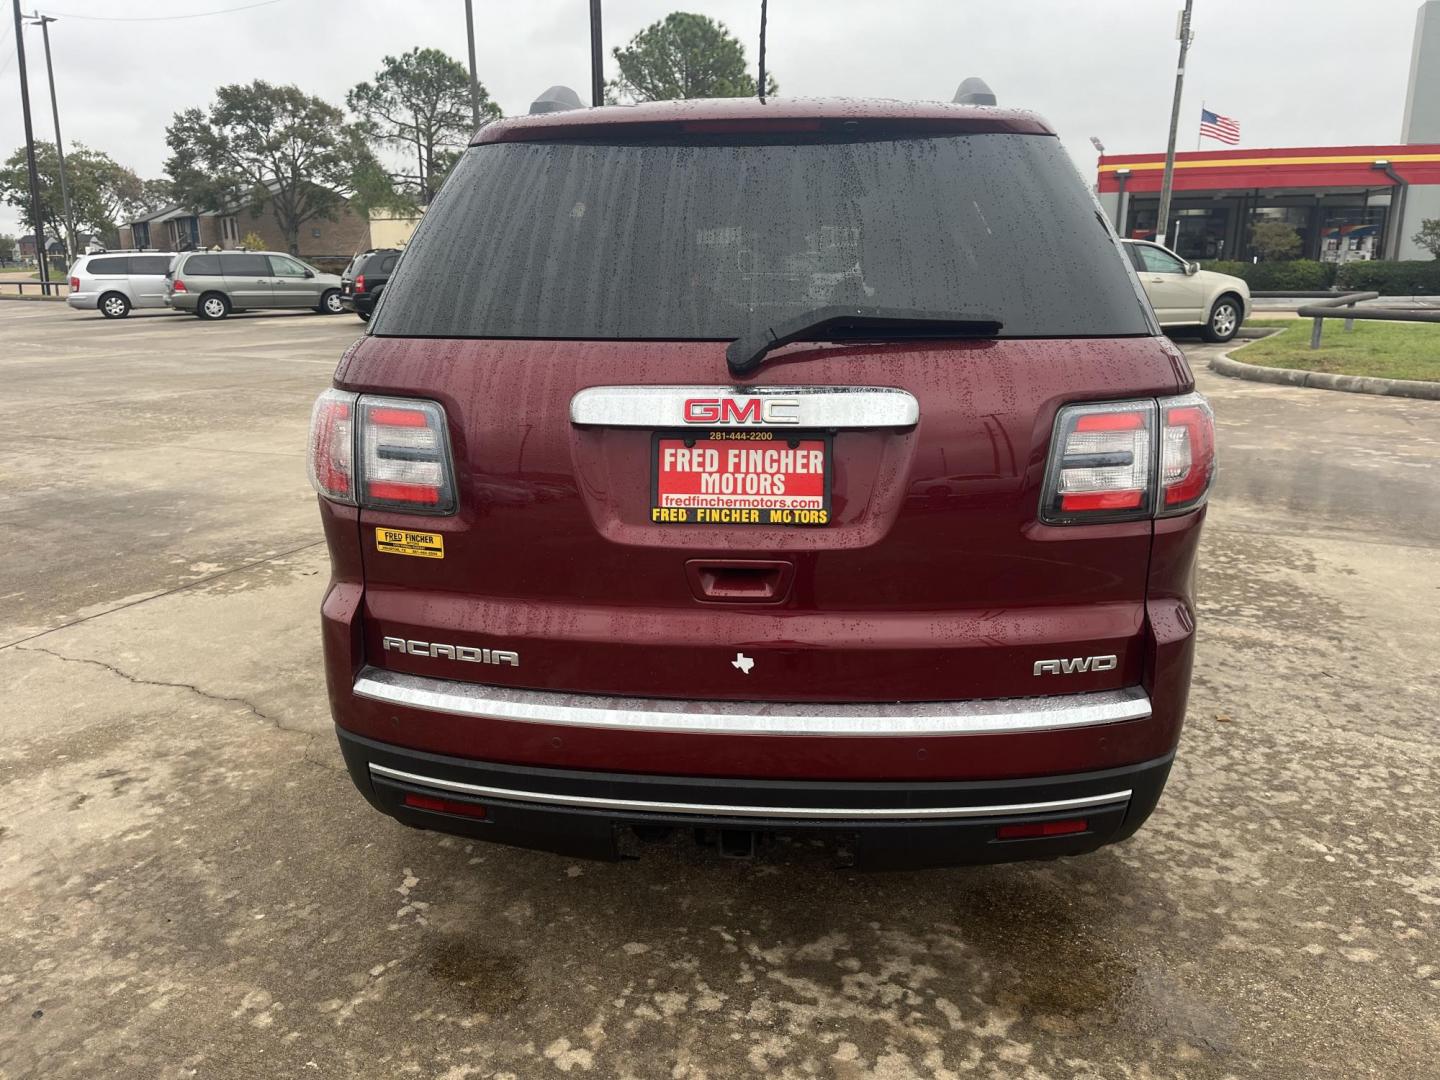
{"x":887,"y":813}
{"x":806,"y":407}
{"x":753,"y":717}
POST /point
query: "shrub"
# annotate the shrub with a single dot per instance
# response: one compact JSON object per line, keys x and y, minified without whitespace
{"x":1412,"y":277}
{"x":1274,"y":240}
{"x":1303,"y":275}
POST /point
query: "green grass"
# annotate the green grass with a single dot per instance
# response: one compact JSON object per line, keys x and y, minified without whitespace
{"x":1389,"y":350}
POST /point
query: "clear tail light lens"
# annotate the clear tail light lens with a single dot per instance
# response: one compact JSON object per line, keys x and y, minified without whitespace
{"x":332,"y":445}
{"x":1129,"y":460}
{"x":1187,"y":453}
{"x":381,"y":453}
{"x":404,"y":456}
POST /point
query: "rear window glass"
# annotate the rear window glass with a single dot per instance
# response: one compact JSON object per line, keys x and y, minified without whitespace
{"x":149,"y":264}
{"x":207,"y":265}
{"x":244,"y":266}
{"x":114,"y":265}
{"x":699,"y":239}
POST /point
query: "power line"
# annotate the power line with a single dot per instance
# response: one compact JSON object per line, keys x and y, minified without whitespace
{"x":160,"y":18}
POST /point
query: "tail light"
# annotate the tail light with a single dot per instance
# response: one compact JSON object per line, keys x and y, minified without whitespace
{"x":178,"y":286}
{"x":1107,"y":462}
{"x":359,"y":283}
{"x":381,"y":453}
{"x":1187,"y":455}
{"x":74,"y":284}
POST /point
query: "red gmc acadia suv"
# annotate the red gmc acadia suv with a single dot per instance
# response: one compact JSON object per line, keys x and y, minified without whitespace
{"x":756,"y":467}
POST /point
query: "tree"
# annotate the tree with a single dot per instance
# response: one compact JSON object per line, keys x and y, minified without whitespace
{"x":684,"y":56}
{"x":156,"y":195}
{"x":102,"y":191}
{"x":7,"y":248}
{"x":261,"y":145}
{"x":1429,"y":236}
{"x":419,"y":103}
{"x":1275,"y":240}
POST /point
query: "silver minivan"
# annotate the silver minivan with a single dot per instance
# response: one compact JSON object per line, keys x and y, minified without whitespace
{"x":113,"y":283}
{"x":212,"y":284}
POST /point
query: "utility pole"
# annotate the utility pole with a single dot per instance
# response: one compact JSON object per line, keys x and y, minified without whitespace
{"x":474,"y":82}
{"x":1162,"y":222}
{"x":44,"y":21}
{"x":30,"y":155}
{"x":597,"y":57}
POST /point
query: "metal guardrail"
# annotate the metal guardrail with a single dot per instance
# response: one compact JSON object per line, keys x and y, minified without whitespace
{"x":1330,"y":309}
{"x":47,"y":288}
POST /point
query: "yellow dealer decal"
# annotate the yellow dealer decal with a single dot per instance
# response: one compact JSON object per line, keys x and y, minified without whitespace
{"x":424,"y":545}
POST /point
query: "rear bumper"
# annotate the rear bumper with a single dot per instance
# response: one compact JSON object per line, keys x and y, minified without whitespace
{"x":890,"y":824}
{"x":83,"y":301}
{"x":181,"y":301}
{"x":360,"y":303}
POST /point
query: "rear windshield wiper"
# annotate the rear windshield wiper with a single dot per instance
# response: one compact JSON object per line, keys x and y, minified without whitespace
{"x":839,"y":323}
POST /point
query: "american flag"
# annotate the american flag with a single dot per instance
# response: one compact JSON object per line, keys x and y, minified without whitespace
{"x":1215,"y":126}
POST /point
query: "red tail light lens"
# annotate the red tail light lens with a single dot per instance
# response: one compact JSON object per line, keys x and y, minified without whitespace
{"x":332,"y":445}
{"x":74,"y":284}
{"x":359,"y":283}
{"x":1101,"y":463}
{"x":1187,"y":454}
{"x":1129,"y":460}
{"x":381,"y":453}
{"x":179,"y":286}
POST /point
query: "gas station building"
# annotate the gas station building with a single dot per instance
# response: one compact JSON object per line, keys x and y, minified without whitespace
{"x":1346,"y":202}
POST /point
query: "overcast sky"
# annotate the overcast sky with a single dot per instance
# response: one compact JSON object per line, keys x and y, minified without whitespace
{"x":1293,"y":72}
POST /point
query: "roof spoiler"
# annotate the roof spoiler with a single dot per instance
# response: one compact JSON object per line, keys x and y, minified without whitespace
{"x":556,"y":99}
{"x":974,"y":91}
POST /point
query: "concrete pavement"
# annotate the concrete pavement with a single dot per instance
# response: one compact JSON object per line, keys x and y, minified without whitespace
{"x":190,"y":886}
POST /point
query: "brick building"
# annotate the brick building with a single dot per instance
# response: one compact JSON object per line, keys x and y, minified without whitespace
{"x":178,"y":228}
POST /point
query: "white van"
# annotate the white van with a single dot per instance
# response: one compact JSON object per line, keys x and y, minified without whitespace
{"x":113,"y":282}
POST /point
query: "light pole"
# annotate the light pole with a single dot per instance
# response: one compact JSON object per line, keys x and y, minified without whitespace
{"x":44,"y":21}
{"x":474,"y":82}
{"x":597,"y":57}
{"x":1162,"y":220}
{"x":30,"y":156}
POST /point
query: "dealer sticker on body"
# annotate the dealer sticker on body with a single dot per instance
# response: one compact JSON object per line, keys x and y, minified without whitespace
{"x":740,"y":478}
{"x":423,"y":545}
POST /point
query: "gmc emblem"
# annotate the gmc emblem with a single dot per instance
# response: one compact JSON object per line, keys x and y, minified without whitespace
{"x":752,"y":410}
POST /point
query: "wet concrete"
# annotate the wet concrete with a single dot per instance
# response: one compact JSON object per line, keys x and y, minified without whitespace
{"x":191,"y":887}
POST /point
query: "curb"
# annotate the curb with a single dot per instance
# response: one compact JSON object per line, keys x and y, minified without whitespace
{"x":1324,"y":380}
{"x":25,"y":296}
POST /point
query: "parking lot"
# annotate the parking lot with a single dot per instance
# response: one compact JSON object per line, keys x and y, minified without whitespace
{"x":191,"y":886}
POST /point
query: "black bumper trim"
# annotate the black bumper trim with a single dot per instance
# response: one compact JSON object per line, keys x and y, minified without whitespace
{"x":576,"y":812}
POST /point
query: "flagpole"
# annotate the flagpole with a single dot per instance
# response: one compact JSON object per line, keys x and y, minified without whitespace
{"x":1198,"y":130}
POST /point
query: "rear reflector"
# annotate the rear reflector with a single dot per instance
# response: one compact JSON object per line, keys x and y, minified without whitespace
{"x":437,"y":805}
{"x":381,"y":453}
{"x":1030,"y":830}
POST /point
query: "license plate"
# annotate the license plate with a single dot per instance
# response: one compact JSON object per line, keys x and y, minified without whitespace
{"x":740,"y":478}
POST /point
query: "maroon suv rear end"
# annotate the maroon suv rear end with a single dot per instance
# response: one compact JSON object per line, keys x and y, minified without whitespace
{"x":755,"y":467}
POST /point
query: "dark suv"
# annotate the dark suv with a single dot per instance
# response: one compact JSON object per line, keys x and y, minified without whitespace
{"x":764,"y":467}
{"x":364,"y":278}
